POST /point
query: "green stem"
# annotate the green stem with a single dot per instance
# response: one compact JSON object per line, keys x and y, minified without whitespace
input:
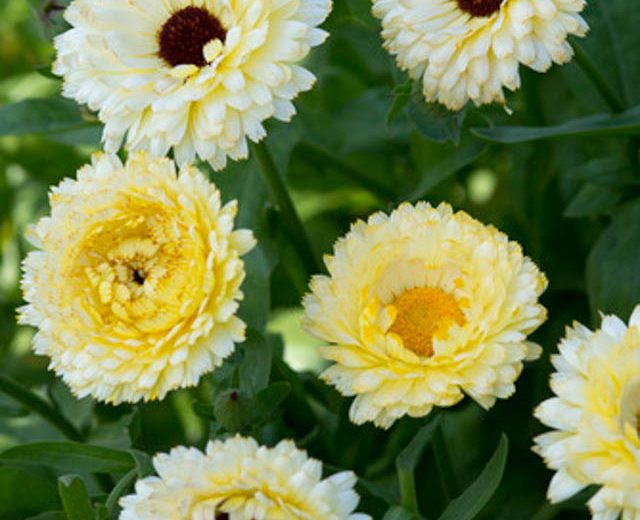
{"x":36,"y":404}
{"x":120,"y":488}
{"x":450,"y":485}
{"x":408,"y":495}
{"x":598,"y":80}
{"x":283,"y":200}
{"x":320,"y":155}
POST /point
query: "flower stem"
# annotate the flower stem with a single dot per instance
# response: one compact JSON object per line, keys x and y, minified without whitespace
{"x":408,"y":495}
{"x":283,"y":200}
{"x":450,"y":485}
{"x":598,"y":80}
{"x":36,"y":404}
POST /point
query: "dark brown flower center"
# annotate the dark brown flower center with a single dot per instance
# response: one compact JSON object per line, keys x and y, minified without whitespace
{"x":480,"y":7}
{"x":184,"y":35}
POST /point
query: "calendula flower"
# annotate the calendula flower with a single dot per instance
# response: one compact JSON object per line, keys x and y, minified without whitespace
{"x":239,"y":480}
{"x":470,"y":49}
{"x":596,"y":417}
{"x":195,"y":76}
{"x":421,"y":307}
{"x":136,"y":280}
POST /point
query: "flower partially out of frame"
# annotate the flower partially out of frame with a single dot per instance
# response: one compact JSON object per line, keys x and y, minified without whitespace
{"x":196,"y":76}
{"x":421,"y":307}
{"x":239,"y":480}
{"x":595,"y":415}
{"x":136,"y":279}
{"x":465,"y":50}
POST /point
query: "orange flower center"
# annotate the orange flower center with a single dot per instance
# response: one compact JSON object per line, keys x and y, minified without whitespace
{"x":424,"y":314}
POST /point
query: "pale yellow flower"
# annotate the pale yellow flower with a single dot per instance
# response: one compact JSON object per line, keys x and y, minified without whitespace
{"x":196,"y":76}
{"x":422,"y":306}
{"x":596,"y":417}
{"x":136,"y":280}
{"x":465,"y":50}
{"x":239,"y":480}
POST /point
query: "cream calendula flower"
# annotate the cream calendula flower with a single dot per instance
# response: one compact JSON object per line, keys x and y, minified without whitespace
{"x":470,"y":49}
{"x":136,"y":280}
{"x":421,"y":307}
{"x":239,"y":480}
{"x":198,"y":76}
{"x":596,"y":415}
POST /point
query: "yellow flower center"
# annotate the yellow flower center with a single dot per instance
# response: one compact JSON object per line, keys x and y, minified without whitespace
{"x":424,"y":314}
{"x":145,"y":271}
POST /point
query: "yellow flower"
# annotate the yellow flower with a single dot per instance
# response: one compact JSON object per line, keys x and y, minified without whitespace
{"x":596,"y":415}
{"x":136,"y":280}
{"x":195,"y":76}
{"x":239,"y":480}
{"x":422,"y":306}
{"x":470,"y":49}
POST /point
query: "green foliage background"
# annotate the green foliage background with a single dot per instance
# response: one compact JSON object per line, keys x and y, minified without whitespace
{"x":560,"y":175}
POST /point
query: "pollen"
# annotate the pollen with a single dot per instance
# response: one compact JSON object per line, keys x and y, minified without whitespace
{"x":424,"y":314}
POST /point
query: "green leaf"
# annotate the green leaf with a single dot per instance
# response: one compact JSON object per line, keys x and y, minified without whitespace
{"x":613,"y":265}
{"x":593,"y":199}
{"x":123,"y":485}
{"x":41,"y":116}
{"x":454,"y":159}
{"x":468,"y":505}
{"x":144,"y":465}
{"x":233,"y":410}
{"x":434,"y":121}
{"x":399,"y":513}
{"x":72,"y":457}
{"x":408,"y":458}
{"x":75,"y":498}
{"x":255,"y":368}
{"x":624,"y":124}
{"x":38,"y":405}
{"x":50,"y":515}
{"x":268,"y":400}
{"x":25,"y":492}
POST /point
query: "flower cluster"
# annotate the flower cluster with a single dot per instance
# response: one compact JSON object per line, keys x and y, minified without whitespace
{"x":135,"y":282}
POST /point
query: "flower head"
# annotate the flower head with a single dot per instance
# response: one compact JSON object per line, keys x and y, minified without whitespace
{"x":136,"y":280}
{"x":198,"y":76}
{"x":470,"y":49}
{"x":422,"y":306}
{"x":239,"y":480}
{"x":596,"y":417}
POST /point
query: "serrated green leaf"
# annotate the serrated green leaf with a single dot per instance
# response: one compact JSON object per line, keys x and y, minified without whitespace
{"x":468,"y":505}
{"x":72,"y":457}
{"x":75,"y":498}
{"x":624,"y":124}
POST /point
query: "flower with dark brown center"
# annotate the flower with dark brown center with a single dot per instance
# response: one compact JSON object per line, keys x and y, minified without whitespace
{"x":480,"y":8}
{"x":183,"y":36}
